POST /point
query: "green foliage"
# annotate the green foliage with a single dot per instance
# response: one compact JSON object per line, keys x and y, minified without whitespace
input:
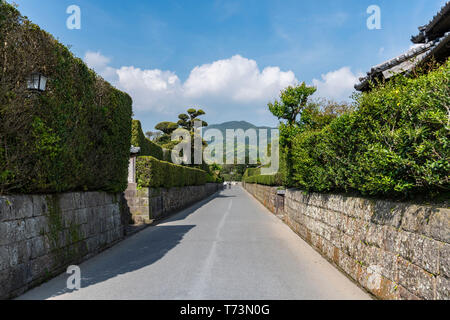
{"x":267,"y":180}
{"x":153,"y":173}
{"x":293,"y":101}
{"x":166,"y":127}
{"x":253,"y":175}
{"x":212,"y":178}
{"x":148,"y":148}
{"x":75,"y":135}
{"x":250,"y":172}
{"x":396,"y":142}
{"x":186,"y":121}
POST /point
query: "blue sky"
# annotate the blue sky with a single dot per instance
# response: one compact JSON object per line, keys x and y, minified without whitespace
{"x":229,"y":57}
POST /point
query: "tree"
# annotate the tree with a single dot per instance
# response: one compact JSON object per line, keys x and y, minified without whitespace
{"x":293,"y":101}
{"x":166,"y":127}
{"x":187,"y":120}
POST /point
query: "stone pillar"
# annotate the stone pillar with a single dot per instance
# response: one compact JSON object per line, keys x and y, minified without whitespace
{"x":132,"y":170}
{"x":132,"y":167}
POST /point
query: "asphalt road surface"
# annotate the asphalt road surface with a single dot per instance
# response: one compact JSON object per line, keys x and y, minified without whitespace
{"x":226,"y":247}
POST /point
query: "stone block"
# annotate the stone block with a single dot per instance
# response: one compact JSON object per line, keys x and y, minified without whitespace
{"x":94,"y":199}
{"x":92,"y":244}
{"x":79,"y":199}
{"x":5,"y":210}
{"x":415,"y":279}
{"x":38,"y":247}
{"x":4,"y":258}
{"x":19,"y":252}
{"x":420,"y":250}
{"x":81,"y":216}
{"x":12,"y":231}
{"x":387,"y":213}
{"x":444,"y":260}
{"x":429,"y":221}
{"x":442,"y":288}
{"x":42,"y":266}
{"x":66,"y":201}
{"x":35,"y":226}
{"x":391,"y":240}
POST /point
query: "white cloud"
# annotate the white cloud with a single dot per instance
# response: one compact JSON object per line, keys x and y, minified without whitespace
{"x":234,"y":81}
{"x":235,"y":85}
{"x":98,"y":62}
{"x":337,"y":85}
{"x":154,"y":90}
{"x":237,"y":78}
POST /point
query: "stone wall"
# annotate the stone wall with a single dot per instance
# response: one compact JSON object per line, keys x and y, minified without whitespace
{"x":40,"y":235}
{"x":394,"y":250}
{"x":267,"y":196}
{"x":148,"y":204}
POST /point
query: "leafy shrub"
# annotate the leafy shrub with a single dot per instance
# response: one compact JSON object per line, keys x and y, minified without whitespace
{"x":253,"y":175}
{"x":268,"y":180}
{"x":212,"y":178}
{"x":148,"y":148}
{"x":153,"y":173}
{"x":251,"y":172}
{"x":395,"y":143}
{"x":73,"y":136}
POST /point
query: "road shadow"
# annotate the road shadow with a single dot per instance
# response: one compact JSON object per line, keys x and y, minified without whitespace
{"x":134,"y":253}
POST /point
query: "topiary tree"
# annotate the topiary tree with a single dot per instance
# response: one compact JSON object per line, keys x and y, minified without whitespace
{"x":166,"y":127}
{"x":187,"y":120}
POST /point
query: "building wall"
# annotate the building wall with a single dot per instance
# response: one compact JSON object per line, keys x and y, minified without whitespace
{"x":394,"y":250}
{"x":40,"y":235}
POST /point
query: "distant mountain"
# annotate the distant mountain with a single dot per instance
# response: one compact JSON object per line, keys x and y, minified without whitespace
{"x":234,"y":125}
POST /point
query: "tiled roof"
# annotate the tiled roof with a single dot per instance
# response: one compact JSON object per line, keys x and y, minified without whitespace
{"x":427,"y":32}
{"x":403,"y":63}
{"x":433,"y":39}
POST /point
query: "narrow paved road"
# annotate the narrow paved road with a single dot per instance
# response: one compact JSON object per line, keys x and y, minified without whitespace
{"x":227,"y":247}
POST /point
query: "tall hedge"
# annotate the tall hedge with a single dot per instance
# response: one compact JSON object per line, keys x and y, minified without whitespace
{"x":148,"y":148}
{"x":153,"y":173}
{"x":75,"y":135}
{"x":396,"y":143}
{"x":253,"y":175}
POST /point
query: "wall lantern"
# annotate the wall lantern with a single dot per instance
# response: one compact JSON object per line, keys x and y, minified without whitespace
{"x":37,"y":81}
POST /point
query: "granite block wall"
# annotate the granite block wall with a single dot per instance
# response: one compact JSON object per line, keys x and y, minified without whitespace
{"x":394,"y":250}
{"x":40,"y":235}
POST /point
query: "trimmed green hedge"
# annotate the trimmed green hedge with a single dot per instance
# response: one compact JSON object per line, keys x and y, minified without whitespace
{"x":251,"y":172}
{"x":396,"y":143}
{"x":153,"y":173}
{"x":253,"y":175}
{"x":211,"y":178}
{"x":75,"y":135}
{"x":148,"y":148}
{"x":267,"y":180}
